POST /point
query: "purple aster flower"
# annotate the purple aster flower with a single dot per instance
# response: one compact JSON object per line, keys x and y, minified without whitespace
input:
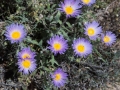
{"x":57,"y":44}
{"x":109,"y":38}
{"x":26,"y":53}
{"x":15,"y":33}
{"x":82,"y":47}
{"x":93,"y":30}
{"x":88,"y":2}
{"x":59,"y":77}
{"x":26,"y":65}
{"x":70,"y":7}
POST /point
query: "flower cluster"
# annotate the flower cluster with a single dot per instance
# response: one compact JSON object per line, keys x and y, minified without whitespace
{"x":82,"y":47}
{"x":93,"y":31}
{"x":16,"y":33}
{"x":26,"y":61}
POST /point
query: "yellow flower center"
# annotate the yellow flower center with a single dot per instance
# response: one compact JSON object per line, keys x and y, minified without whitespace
{"x":86,"y":1}
{"x":57,"y":46}
{"x":91,"y":31}
{"x":26,"y":55}
{"x":16,"y":35}
{"x":26,"y":63}
{"x":69,"y":10}
{"x":58,"y":77}
{"x":80,"y":48}
{"x":106,"y":39}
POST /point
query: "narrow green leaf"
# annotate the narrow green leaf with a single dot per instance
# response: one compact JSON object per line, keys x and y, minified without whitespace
{"x":29,"y":40}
